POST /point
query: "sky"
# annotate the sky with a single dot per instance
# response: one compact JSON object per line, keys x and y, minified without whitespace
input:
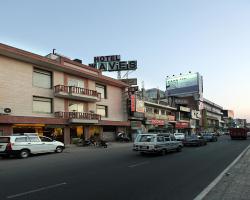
{"x":166,"y":37}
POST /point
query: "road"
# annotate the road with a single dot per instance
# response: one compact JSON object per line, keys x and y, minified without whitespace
{"x":116,"y":173}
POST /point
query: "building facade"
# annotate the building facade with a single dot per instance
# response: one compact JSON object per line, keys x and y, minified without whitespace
{"x":55,"y":94}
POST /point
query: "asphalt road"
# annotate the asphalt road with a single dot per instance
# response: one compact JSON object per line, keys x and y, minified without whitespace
{"x":116,"y":173}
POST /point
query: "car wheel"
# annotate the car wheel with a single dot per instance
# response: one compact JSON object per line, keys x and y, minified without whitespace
{"x":24,"y":153}
{"x":162,"y":152}
{"x":59,"y":149}
{"x":179,"y":149}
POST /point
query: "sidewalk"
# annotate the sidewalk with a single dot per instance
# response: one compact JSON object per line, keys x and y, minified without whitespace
{"x":235,"y":184}
{"x":111,"y":145}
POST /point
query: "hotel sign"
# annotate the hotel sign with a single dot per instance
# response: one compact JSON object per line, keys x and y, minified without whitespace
{"x":113,"y":63}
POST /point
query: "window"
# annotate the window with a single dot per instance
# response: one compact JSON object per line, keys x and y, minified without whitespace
{"x":46,"y":139}
{"x":145,"y":138}
{"x":42,"y":78}
{"x":76,"y":83}
{"x":160,"y":139}
{"x":76,"y":107}
{"x":21,"y":139}
{"x":1,"y":132}
{"x":167,"y":139}
{"x":149,"y":110}
{"x":42,"y":105}
{"x":34,"y":139}
{"x":102,"y":110}
{"x":4,"y":140}
{"x":101,"y":89}
{"x":156,"y":111}
{"x":163,"y":112}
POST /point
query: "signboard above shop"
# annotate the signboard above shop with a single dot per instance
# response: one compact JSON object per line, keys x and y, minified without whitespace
{"x":130,"y":81}
{"x":113,"y":63}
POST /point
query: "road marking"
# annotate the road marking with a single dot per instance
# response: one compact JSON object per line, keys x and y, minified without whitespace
{"x":138,"y":164}
{"x":36,"y":190}
{"x":218,"y":178}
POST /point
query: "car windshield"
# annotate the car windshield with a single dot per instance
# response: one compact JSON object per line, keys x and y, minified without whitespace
{"x":146,"y":138}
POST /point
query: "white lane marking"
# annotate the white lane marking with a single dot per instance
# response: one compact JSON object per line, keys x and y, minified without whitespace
{"x":218,"y":178}
{"x":36,"y":190}
{"x":138,"y":164}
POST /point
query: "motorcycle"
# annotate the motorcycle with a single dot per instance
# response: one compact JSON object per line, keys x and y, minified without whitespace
{"x":121,"y":137}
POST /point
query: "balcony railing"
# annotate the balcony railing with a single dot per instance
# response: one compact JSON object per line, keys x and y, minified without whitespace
{"x":76,"y":91}
{"x":78,"y":115}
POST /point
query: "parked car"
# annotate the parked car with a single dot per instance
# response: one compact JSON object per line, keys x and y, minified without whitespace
{"x":194,"y":140}
{"x":156,"y":143}
{"x":210,"y":137}
{"x":25,"y":144}
{"x":179,"y":136}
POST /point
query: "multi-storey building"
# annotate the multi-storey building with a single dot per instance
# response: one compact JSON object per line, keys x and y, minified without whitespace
{"x":228,"y":118}
{"x":55,"y":94}
{"x":212,"y":116}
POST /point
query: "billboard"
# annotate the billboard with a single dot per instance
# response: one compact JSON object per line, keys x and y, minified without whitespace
{"x":184,"y":84}
{"x":139,"y":106}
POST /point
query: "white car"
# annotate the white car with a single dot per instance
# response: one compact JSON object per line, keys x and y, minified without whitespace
{"x":156,"y":143}
{"x":26,"y":144}
{"x":179,"y":136}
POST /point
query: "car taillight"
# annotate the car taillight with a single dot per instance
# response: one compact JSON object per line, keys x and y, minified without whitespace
{"x":9,"y":147}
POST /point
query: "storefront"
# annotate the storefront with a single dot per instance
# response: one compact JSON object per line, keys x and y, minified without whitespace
{"x":182,"y":127}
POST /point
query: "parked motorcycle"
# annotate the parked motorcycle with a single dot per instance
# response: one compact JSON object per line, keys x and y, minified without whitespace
{"x":121,"y":137}
{"x":102,"y":143}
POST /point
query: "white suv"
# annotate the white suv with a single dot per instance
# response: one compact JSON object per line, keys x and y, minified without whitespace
{"x":156,"y":143}
{"x":179,"y":136}
{"x":26,"y":144}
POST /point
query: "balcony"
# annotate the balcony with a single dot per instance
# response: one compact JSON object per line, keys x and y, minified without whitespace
{"x":76,"y":93}
{"x":79,"y":117}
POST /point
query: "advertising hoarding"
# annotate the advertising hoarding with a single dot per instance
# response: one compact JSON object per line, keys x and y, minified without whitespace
{"x":184,"y":84}
{"x":139,"y":106}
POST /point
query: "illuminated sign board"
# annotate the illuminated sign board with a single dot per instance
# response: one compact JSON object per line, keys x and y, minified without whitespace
{"x":113,"y":63}
{"x":157,"y":122}
{"x":184,"y":84}
{"x":185,"y":109}
{"x":181,"y":125}
{"x":132,"y":103}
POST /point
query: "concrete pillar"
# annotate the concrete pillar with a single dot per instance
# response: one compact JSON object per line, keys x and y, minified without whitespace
{"x":66,"y":135}
{"x":101,"y":132}
{"x":86,"y":132}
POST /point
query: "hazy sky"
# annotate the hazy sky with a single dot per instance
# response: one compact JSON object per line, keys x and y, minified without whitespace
{"x":165,"y":36}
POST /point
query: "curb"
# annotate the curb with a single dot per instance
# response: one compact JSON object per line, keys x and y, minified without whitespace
{"x":218,"y":178}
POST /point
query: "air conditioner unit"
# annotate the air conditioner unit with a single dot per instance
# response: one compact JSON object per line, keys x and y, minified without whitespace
{"x":5,"y":110}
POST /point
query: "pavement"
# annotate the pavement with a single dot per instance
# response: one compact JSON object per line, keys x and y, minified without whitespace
{"x":111,"y":145}
{"x":234,"y":182}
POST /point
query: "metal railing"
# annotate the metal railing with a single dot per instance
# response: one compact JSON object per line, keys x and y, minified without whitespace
{"x":76,"y":90}
{"x":78,"y":115}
